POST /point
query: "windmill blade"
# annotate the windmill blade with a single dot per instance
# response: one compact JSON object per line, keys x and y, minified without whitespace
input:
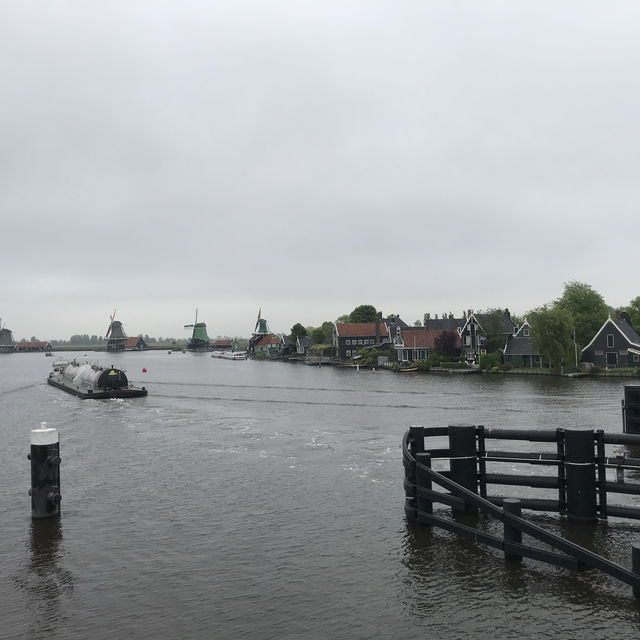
{"x":111,"y":317}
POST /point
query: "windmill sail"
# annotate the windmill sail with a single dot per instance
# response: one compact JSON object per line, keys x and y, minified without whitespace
{"x":116,"y":334}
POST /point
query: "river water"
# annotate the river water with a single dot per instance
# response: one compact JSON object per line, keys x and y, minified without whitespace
{"x":265,"y":500}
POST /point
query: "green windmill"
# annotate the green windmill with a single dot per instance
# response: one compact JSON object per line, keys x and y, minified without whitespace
{"x":199,"y":339}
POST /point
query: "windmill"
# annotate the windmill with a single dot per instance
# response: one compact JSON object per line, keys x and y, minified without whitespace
{"x":7,"y":343}
{"x":199,"y":339}
{"x":262,"y":326}
{"x":115,"y":334}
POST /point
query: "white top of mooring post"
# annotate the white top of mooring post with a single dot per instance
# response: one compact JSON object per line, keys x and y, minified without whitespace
{"x":44,"y":435}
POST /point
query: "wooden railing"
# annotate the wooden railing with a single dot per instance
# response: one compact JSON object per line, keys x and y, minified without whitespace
{"x":579,"y":466}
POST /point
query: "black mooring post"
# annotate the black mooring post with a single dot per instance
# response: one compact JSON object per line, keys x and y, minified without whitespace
{"x":511,"y":533}
{"x":45,"y":472}
{"x":580,"y":471}
{"x":416,"y":439}
{"x":463,"y":463}
{"x":423,"y":481}
{"x":562,"y":479}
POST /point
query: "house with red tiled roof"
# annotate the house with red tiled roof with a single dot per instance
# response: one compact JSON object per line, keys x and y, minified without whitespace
{"x":418,"y":343}
{"x":221,"y":345}
{"x":349,"y":337}
{"x":33,"y":346}
{"x":135,"y":344}
{"x":267,"y":344}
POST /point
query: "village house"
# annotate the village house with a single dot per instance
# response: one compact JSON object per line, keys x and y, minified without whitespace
{"x":418,"y":343}
{"x":520,"y":351}
{"x":222,"y":345}
{"x":478,"y":327}
{"x":267,"y":344}
{"x":616,"y":344}
{"x":349,"y":337}
{"x":135,"y":344}
{"x":25,"y":346}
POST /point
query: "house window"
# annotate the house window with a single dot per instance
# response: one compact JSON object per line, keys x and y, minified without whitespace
{"x":636,"y":358}
{"x":348,"y":353}
{"x":609,"y":340}
{"x":623,"y":352}
{"x":599,"y":352}
{"x":526,"y":332}
{"x":359,"y":341}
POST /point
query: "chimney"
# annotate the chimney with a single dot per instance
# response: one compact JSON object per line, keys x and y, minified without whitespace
{"x":378,"y":318}
{"x":427,"y":317}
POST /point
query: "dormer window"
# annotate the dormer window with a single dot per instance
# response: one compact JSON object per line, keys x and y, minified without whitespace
{"x":525,"y":332}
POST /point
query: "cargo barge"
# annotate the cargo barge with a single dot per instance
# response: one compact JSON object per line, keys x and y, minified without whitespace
{"x":93,"y":381}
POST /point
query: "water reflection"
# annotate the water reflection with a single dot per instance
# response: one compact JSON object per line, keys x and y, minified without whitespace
{"x":44,"y":580}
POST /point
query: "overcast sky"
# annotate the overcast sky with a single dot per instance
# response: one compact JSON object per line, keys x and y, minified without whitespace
{"x":307,"y":157}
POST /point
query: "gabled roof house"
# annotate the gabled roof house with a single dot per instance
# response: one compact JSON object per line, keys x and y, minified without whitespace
{"x":476,"y":329}
{"x":519,"y":349}
{"x":616,"y":344}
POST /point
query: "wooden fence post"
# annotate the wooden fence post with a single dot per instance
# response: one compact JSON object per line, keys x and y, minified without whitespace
{"x":511,"y":533}
{"x":463,"y":462}
{"x":423,"y":481}
{"x":580,"y":470}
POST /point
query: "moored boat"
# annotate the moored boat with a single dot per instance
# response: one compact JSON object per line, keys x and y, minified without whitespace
{"x":234,"y":355}
{"x":93,"y":381}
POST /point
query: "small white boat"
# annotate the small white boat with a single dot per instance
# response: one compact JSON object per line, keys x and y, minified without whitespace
{"x":234,"y":355}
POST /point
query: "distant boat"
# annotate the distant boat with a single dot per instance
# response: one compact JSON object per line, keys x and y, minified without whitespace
{"x":235,"y":355}
{"x":230,"y":355}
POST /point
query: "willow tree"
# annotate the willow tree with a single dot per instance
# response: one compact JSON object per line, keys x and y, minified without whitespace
{"x":552,"y":329}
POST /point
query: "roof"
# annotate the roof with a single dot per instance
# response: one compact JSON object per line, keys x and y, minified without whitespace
{"x":449,"y":324}
{"x":267,"y":339}
{"x":484,"y":320}
{"x":132,"y":342}
{"x":520,"y":346}
{"x":421,"y":338}
{"x":627,"y":331}
{"x":32,"y":345}
{"x":360,"y":329}
{"x":221,"y":343}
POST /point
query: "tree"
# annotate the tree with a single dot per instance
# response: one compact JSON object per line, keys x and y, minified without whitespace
{"x":552,"y":329}
{"x":298,"y":331}
{"x":317,"y":335}
{"x":327,"y":330}
{"x":363,"y":313}
{"x":343,"y":319}
{"x":633,"y":309}
{"x":492,"y":322}
{"x":417,"y":323}
{"x":445,"y":343}
{"x":587,"y":308}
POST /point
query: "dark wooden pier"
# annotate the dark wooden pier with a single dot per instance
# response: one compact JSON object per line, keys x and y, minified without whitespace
{"x":574,"y":467}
